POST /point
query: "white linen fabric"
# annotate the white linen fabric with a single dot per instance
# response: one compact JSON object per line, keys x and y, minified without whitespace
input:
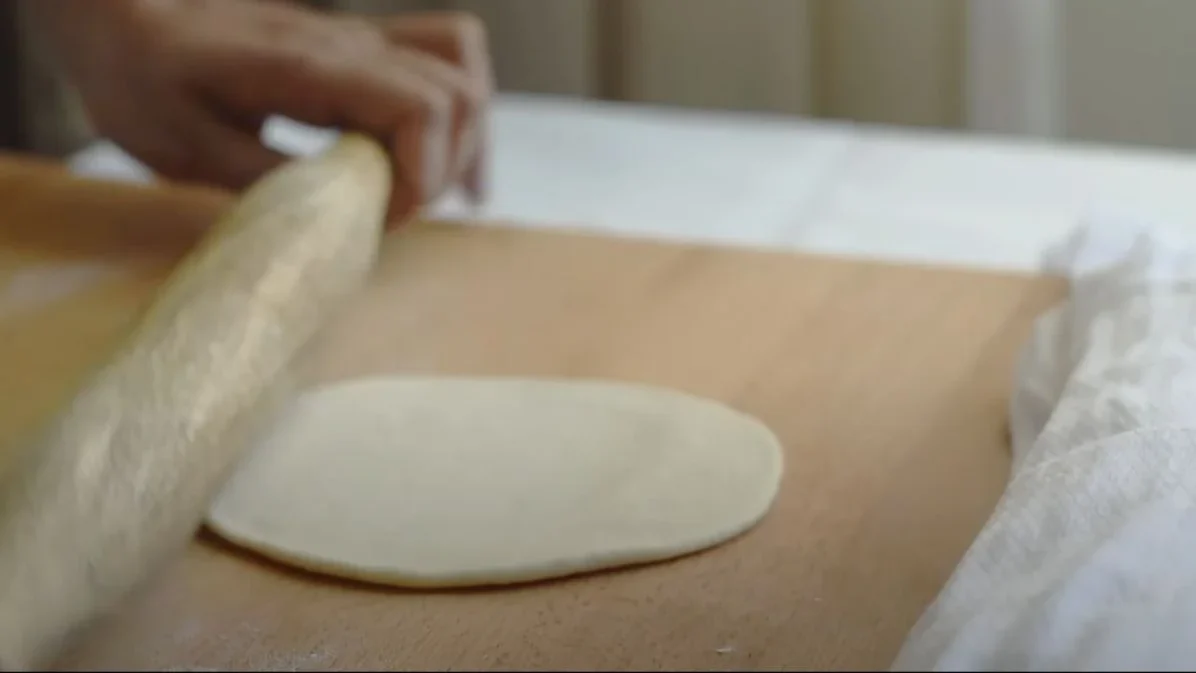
{"x":1089,"y":561}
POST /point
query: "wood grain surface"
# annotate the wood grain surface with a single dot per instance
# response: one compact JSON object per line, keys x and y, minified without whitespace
{"x":887,"y":385}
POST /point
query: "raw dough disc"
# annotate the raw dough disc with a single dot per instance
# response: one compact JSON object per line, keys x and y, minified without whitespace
{"x":437,"y":482}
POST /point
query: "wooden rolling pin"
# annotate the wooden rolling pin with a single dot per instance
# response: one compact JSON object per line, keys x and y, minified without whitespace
{"x":120,"y":477}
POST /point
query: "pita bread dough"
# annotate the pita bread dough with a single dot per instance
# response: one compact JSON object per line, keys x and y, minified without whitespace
{"x":439,"y":482}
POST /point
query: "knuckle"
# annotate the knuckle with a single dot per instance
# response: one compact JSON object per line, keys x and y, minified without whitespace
{"x":470,"y":97}
{"x":468,"y":29}
{"x":430,"y":101}
{"x":307,"y":61}
{"x":437,"y":105}
{"x":294,"y":56}
{"x":472,"y":46}
{"x":356,"y":36}
{"x":343,"y":42}
{"x":478,"y":89}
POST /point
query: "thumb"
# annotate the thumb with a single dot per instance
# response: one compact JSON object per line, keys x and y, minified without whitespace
{"x":222,"y":153}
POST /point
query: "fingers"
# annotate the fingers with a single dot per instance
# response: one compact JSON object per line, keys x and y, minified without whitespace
{"x":476,"y":180}
{"x":208,"y":147}
{"x":421,"y":142}
{"x":391,"y":98}
{"x":468,"y":103}
{"x":183,"y":141}
{"x":459,"y":39}
{"x":338,"y":74}
{"x":418,"y":84}
{"x":222,"y":152}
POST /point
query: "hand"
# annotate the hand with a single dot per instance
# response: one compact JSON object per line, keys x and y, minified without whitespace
{"x":185,"y":85}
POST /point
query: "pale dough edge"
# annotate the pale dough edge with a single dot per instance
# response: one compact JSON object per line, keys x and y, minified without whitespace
{"x":621,"y":560}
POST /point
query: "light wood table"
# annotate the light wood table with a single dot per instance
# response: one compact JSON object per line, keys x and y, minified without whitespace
{"x":886,"y":384}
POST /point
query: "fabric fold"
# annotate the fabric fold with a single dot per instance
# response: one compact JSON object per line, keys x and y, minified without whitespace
{"x":1089,"y":561}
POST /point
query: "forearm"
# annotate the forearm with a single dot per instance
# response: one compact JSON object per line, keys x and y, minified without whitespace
{"x":120,"y":479}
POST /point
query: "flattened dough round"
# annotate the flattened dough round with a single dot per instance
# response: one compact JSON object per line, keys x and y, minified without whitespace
{"x":439,"y":482}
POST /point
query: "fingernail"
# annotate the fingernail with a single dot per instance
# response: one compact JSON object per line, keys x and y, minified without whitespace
{"x":437,"y":144}
{"x":475,"y":180}
{"x":476,"y":187}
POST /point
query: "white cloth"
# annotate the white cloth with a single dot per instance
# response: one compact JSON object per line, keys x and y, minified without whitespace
{"x":1089,"y":561}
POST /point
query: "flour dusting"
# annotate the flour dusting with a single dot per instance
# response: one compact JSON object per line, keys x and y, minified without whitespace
{"x":234,"y":640}
{"x":39,"y":285}
{"x":314,"y":659}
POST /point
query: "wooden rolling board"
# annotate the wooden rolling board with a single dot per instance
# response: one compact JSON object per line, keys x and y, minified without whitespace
{"x":886,"y":384}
